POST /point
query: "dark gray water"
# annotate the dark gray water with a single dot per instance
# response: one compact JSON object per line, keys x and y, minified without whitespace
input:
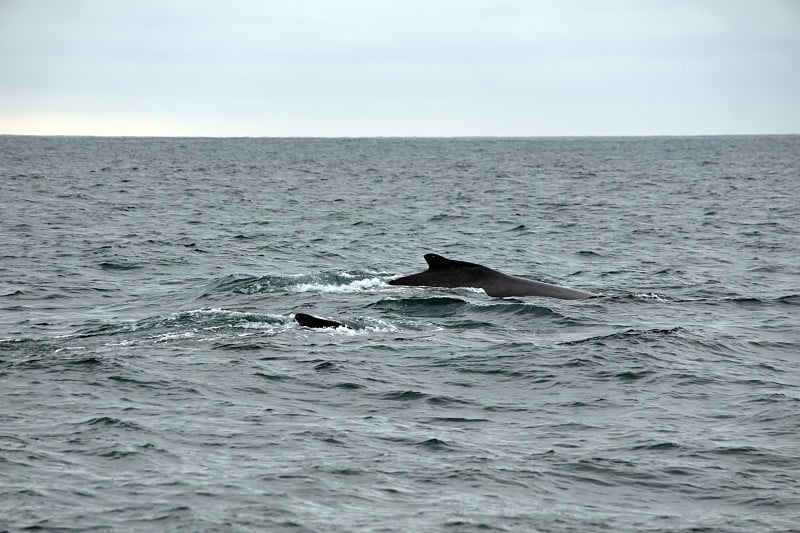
{"x":152,"y":376}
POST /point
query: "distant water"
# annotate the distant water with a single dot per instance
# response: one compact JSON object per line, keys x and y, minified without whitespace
{"x":152,"y":376}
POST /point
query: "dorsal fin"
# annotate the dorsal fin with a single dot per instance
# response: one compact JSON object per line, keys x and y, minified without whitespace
{"x":310,"y":321}
{"x":437,"y":262}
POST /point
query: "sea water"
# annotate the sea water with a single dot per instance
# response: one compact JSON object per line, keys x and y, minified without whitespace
{"x":152,"y":376}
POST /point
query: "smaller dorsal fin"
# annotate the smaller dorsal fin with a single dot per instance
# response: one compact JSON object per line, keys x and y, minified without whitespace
{"x":437,"y":262}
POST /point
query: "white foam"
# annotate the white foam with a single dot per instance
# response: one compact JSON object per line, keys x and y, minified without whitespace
{"x":71,"y":348}
{"x":651,"y":296}
{"x":165,"y":337}
{"x":354,"y":286}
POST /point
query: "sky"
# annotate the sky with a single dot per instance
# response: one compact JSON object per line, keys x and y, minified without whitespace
{"x":347,"y":68}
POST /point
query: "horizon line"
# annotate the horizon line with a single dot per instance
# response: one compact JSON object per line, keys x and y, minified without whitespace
{"x":490,"y":136}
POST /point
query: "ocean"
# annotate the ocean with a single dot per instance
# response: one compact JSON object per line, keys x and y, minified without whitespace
{"x":152,"y":376}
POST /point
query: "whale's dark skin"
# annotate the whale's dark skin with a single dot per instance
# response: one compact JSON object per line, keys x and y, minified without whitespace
{"x":314,"y":322}
{"x":443,"y":272}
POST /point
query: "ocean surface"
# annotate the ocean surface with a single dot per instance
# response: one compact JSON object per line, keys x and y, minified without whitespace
{"x":152,"y":376}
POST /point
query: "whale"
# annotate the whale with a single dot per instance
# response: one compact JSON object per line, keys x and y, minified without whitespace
{"x":310,"y":321}
{"x":443,"y":272}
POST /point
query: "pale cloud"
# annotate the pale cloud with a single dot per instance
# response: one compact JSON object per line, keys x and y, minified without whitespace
{"x":399,"y":68}
{"x":88,"y":124}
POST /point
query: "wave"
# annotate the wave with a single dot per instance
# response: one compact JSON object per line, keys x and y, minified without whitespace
{"x":205,"y":324}
{"x":334,"y":282}
{"x":792,"y":299}
{"x":522,"y":309}
{"x":51,"y":355}
{"x":746,"y":301}
{"x":412,"y":396}
{"x":119,"y":265}
{"x":204,"y":318}
{"x":630,"y":333}
{"x":438,"y":306}
{"x":448,"y":306}
{"x":678,"y":341}
{"x":224,"y":329}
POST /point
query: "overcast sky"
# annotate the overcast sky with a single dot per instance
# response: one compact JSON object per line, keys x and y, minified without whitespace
{"x":399,"y":68}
